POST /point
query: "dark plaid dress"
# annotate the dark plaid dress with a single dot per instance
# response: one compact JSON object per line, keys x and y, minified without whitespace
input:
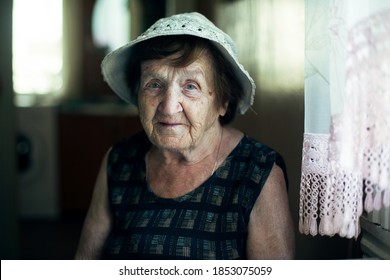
{"x":210,"y":222}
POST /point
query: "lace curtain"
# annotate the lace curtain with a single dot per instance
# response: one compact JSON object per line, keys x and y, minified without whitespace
{"x":346,"y":147}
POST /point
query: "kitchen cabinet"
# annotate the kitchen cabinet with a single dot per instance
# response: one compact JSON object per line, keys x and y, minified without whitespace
{"x":84,"y":138}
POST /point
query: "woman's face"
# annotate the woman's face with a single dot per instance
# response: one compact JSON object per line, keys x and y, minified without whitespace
{"x":177,"y":105}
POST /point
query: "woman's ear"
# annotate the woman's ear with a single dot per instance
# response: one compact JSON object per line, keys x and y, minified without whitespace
{"x":223,"y":109}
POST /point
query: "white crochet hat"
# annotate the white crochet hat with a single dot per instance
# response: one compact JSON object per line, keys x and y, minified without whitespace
{"x":194,"y":24}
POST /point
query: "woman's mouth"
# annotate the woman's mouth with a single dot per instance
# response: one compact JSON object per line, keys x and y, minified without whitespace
{"x":169,"y":124}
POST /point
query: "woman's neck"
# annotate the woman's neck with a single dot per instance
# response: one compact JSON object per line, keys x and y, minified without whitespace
{"x":206,"y":150}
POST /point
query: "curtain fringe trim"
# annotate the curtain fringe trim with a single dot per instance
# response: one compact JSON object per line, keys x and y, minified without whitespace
{"x":331,"y":197}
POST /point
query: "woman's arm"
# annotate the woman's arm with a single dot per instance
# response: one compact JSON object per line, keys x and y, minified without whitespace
{"x":97,"y":224}
{"x":270,"y":229}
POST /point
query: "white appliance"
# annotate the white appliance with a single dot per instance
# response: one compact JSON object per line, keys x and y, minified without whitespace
{"x":37,"y":154}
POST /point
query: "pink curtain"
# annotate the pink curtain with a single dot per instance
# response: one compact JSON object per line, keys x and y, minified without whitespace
{"x":346,"y":149}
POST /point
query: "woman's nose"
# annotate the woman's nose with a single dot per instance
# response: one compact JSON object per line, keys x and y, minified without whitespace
{"x":171,"y":101}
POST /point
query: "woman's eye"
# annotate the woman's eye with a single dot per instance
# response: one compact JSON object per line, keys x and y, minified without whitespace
{"x":191,"y":87}
{"x":154,"y":85}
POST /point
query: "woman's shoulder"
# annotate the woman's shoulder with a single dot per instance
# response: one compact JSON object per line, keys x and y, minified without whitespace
{"x":259,"y":154}
{"x":136,"y":138}
{"x":256,"y":149}
{"x":244,"y":147}
{"x":131,"y":146}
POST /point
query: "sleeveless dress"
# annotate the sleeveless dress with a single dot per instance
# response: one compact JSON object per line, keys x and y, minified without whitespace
{"x":210,"y":222}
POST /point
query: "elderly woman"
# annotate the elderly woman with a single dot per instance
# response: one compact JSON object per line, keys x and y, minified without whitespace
{"x":189,"y":186}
